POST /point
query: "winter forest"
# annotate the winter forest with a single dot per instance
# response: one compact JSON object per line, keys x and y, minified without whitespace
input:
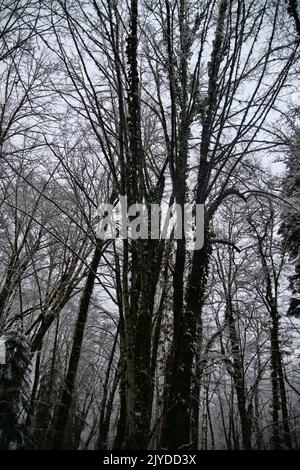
{"x":142,"y":343}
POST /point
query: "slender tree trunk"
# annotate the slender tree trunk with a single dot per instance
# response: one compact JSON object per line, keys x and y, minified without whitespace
{"x":278,"y":389}
{"x":239,"y":380}
{"x":69,"y":385}
{"x":275,"y":387}
{"x":284,"y":406}
{"x":103,"y":428}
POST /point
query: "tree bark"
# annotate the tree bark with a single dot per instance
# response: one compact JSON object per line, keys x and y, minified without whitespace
{"x":69,"y":385}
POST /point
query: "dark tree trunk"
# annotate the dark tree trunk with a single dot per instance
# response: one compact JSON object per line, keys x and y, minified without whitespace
{"x":69,"y":385}
{"x":104,"y":419}
{"x":180,"y":406}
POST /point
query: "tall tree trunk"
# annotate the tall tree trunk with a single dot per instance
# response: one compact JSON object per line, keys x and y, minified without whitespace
{"x":279,"y":399}
{"x":69,"y":385}
{"x":186,"y":319}
{"x":239,"y":382}
{"x":103,"y":428}
{"x":278,"y":388}
{"x":275,"y":387}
